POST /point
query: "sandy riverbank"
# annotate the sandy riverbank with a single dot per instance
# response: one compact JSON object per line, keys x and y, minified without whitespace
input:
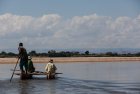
{"x":72,"y":59}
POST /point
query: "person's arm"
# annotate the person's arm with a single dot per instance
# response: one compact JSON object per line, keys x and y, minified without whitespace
{"x":19,"y":54}
{"x":46,"y":68}
{"x":55,"y":67}
{"x":21,"y":51}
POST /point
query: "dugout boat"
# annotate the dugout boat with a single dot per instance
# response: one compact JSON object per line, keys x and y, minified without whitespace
{"x":24,"y":76}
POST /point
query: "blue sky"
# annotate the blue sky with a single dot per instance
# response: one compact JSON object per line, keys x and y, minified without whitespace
{"x":70,"y":8}
{"x":66,"y":24}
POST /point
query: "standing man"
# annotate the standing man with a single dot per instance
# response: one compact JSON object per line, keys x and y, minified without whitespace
{"x":23,"y":58}
{"x":50,"y":68}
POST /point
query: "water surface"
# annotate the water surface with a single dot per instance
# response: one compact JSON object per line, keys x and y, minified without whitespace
{"x":77,"y":78}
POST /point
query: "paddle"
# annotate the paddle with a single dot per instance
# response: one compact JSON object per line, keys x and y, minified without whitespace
{"x":14,"y":70}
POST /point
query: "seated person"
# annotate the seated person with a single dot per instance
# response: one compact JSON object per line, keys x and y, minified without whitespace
{"x":31,"y":67}
{"x":50,"y":68}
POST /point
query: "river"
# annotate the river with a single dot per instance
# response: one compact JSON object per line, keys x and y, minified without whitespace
{"x":77,"y":78}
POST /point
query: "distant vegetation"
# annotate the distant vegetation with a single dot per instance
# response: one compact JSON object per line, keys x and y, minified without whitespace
{"x":53,"y":53}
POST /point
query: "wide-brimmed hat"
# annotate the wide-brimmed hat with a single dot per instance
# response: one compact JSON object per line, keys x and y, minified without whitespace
{"x":29,"y":57}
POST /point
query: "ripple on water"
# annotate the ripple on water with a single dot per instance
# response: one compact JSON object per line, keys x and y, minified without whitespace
{"x":65,"y":85}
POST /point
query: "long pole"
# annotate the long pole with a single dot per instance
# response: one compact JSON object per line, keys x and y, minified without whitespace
{"x":14,"y":70}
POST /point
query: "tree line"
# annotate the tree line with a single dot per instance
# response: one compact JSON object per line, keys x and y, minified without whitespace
{"x":53,"y":53}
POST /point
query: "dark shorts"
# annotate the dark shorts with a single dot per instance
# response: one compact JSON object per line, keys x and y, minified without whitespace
{"x":23,"y":63}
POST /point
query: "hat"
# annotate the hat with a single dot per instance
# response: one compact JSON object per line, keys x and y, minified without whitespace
{"x":29,"y":57}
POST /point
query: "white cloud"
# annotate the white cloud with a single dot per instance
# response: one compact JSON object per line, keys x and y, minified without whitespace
{"x":51,"y":31}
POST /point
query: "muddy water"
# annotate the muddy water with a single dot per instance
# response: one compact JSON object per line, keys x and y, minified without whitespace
{"x":77,"y":78}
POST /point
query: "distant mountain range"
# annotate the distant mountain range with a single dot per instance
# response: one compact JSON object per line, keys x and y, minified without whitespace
{"x":91,"y":50}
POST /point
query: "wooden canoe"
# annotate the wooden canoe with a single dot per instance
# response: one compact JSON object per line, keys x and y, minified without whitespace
{"x":35,"y":73}
{"x":24,"y":76}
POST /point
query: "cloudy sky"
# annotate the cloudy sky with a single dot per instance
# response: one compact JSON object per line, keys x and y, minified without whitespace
{"x":66,"y":24}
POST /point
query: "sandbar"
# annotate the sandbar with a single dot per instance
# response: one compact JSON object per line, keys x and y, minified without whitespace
{"x":71,"y":59}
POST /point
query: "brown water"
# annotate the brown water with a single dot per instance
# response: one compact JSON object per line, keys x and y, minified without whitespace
{"x":77,"y":78}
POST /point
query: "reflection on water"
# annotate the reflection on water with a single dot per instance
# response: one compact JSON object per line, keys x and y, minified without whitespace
{"x":77,"y":78}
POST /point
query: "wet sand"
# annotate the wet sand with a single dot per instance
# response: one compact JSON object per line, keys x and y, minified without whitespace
{"x":72,"y":59}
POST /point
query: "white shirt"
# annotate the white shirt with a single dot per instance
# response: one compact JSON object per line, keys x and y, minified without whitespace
{"x":50,"y":67}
